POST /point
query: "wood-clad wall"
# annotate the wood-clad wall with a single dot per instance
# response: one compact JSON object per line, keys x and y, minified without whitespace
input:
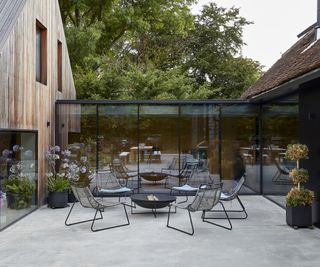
{"x":24,"y":103}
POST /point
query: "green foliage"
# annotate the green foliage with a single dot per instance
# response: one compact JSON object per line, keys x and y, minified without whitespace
{"x":58,"y":183}
{"x":156,"y":49}
{"x":20,"y":189}
{"x":297,"y":152}
{"x":299,"y":175}
{"x":296,"y":197}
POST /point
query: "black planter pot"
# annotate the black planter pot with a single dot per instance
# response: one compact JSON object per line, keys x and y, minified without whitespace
{"x":300,"y":216}
{"x":58,"y":199}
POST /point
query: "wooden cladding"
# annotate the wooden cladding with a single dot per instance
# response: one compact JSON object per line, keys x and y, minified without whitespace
{"x":59,"y":65}
{"x":41,"y":53}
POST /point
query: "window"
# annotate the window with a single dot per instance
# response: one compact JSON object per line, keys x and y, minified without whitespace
{"x":59,"y":62}
{"x":41,"y":53}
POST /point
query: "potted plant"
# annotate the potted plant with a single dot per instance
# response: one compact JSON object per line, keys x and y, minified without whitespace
{"x":79,"y":171}
{"x":298,"y":200}
{"x":58,"y":183}
{"x":19,"y":186}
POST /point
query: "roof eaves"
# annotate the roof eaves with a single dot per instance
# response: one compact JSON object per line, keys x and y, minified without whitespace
{"x":286,"y":88}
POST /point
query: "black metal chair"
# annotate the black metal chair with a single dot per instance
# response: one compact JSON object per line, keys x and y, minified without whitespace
{"x":87,"y":200}
{"x":230,"y":193}
{"x":207,"y":197}
{"x":281,"y":177}
{"x":122,"y":172}
{"x":107,"y":185}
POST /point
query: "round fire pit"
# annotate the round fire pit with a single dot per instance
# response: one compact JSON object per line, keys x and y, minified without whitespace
{"x":153,"y":176}
{"x":142,"y":201}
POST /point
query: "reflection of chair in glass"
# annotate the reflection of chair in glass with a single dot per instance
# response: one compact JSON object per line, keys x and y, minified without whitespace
{"x":281,"y":177}
{"x":107,"y":185}
{"x":154,"y":155}
{"x":184,"y":175}
{"x":230,"y":191}
{"x":175,"y":165}
{"x":207,"y":197}
{"x":87,"y":200}
{"x":121,"y":172}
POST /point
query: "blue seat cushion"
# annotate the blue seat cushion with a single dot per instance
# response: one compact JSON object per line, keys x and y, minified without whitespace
{"x":186,"y":188}
{"x":118,"y":190}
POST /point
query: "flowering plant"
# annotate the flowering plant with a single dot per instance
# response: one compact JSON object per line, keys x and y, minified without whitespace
{"x":79,"y":167}
{"x":73,"y":166}
{"x":20,"y":186}
{"x":57,"y":175}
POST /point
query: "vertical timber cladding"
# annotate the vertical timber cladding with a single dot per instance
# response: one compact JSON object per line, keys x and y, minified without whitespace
{"x":24,"y":103}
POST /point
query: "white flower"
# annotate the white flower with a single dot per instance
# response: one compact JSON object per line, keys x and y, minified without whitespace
{"x":16,"y":148}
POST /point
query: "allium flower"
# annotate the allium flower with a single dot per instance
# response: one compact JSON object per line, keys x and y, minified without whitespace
{"x":84,"y":159}
{"x":83,"y":169}
{"x":16,"y":148}
{"x":57,"y":149}
{"x":66,"y":153}
{"x":6,"y":153}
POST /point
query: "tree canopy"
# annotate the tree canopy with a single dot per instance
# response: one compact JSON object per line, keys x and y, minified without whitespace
{"x":156,"y":49}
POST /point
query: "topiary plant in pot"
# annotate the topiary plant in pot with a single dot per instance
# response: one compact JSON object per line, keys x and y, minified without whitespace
{"x":299,"y":199}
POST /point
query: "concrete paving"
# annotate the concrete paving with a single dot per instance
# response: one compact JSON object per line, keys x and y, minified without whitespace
{"x":264,"y":239}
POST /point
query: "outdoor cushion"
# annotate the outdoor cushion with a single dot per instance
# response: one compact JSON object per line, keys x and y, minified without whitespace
{"x":185,"y":187}
{"x":118,"y":190}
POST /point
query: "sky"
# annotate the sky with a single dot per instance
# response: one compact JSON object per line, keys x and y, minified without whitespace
{"x":276,"y":25}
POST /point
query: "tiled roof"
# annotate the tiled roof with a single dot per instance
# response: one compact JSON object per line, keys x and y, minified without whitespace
{"x":301,"y":58}
{"x":9,"y":12}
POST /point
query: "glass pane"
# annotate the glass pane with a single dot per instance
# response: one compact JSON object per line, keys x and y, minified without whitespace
{"x":38,"y":54}
{"x":240,"y":149}
{"x":76,"y":130}
{"x":199,"y":141}
{"x":118,"y":133}
{"x":280,"y":128}
{"x":158,"y":141}
{"x":18,"y":175}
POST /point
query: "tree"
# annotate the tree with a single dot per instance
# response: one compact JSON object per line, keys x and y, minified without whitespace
{"x":214,"y":48}
{"x":156,"y":49}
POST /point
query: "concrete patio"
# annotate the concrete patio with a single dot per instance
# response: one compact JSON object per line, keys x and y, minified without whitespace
{"x":264,"y":239}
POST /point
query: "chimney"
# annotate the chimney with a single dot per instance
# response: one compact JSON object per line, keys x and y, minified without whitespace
{"x":318,"y":21}
{"x":318,"y":13}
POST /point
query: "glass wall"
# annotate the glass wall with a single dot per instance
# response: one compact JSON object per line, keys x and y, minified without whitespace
{"x":240,"y":146}
{"x":164,"y":137}
{"x":279,"y":128}
{"x":18,"y":175}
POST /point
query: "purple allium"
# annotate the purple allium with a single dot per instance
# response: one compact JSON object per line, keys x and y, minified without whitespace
{"x":16,"y":148}
{"x":84,"y":159}
{"x":6,"y":153}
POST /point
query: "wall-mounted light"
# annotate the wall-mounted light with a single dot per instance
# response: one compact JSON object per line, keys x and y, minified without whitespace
{"x":48,"y":123}
{"x":62,"y":125}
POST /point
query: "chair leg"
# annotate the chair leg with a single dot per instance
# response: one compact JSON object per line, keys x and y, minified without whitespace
{"x":68,"y":224}
{"x":177,"y":229}
{"x":110,"y":227}
{"x":205,"y":219}
{"x":243,"y":210}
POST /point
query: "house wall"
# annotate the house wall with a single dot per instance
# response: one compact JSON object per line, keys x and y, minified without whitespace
{"x":309,"y":134}
{"x":24,"y":103}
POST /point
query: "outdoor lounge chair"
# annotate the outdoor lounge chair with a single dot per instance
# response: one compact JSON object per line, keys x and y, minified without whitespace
{"x":107,"y":185}
{"x":207,"y":197}
{"x":230,"y":193}
{"x":87,"y":200}
{"x":121,"y":172}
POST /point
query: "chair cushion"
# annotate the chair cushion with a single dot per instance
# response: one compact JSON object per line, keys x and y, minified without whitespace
{"x":119,"y":190}
{"x":186,"y":188}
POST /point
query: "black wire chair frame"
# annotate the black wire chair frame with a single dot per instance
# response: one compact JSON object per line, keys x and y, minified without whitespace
{"x":87,"y":200}
{"x":206,"y":198}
